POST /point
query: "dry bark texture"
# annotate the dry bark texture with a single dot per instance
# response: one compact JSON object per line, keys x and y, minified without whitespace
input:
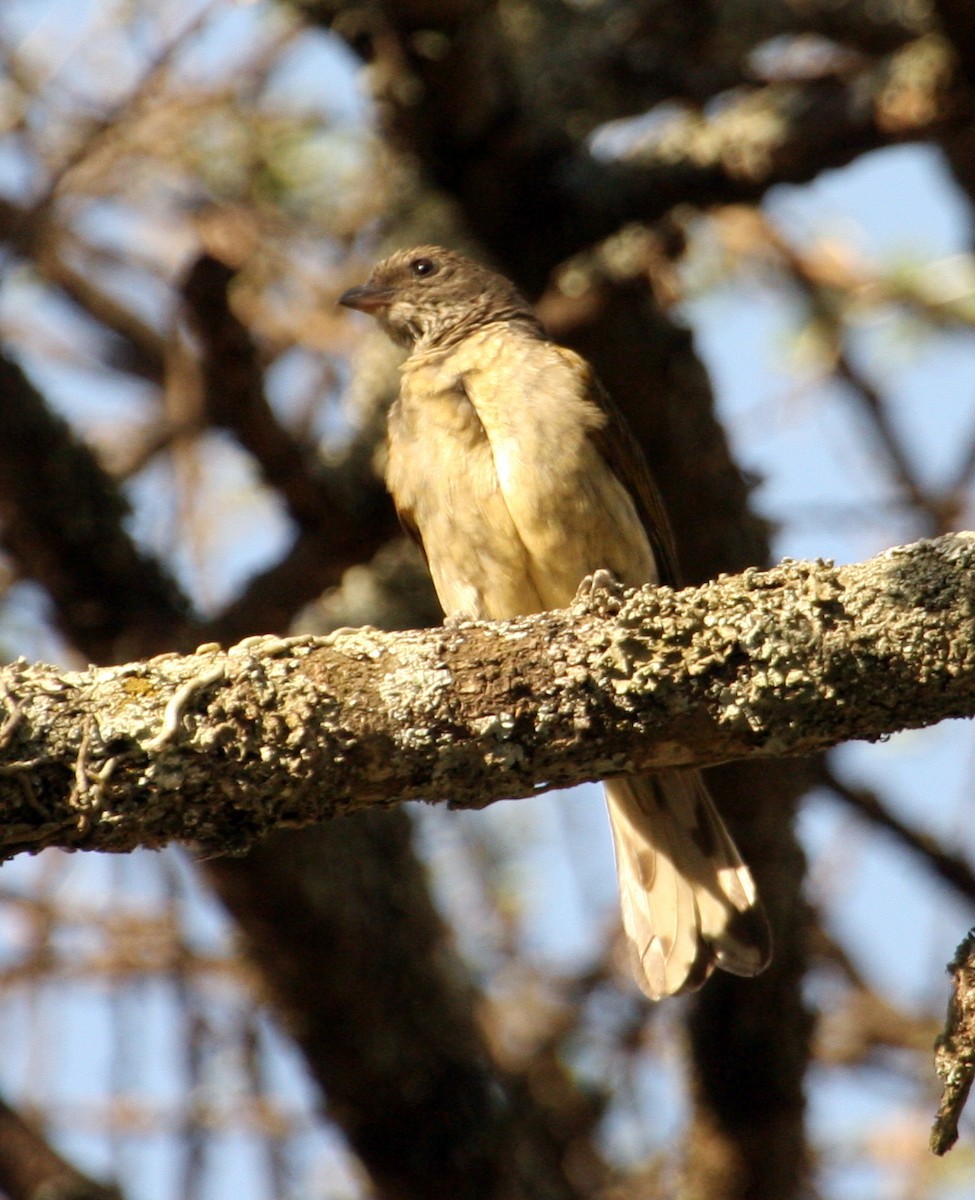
{"x":955,"y":1050}
{"x":220,"y":747}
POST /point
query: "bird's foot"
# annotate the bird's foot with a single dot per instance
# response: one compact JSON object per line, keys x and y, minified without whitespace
{"x":601,"y":592}
{"x":457,"y":620}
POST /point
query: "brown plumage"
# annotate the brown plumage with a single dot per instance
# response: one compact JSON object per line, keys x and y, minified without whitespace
{"x":519,"y":478}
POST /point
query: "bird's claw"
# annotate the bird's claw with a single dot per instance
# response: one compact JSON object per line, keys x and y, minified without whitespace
{"x":601,"y":591}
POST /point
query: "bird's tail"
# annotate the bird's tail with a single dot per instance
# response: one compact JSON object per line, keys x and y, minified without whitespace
{"x":688,"y":901}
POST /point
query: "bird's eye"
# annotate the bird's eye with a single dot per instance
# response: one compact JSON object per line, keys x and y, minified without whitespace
{"x":423,"y":266}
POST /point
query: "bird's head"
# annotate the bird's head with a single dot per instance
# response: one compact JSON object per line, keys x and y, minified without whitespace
{"x":430,"y":297}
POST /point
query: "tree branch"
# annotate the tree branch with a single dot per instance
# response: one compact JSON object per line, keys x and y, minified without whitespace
{"x":781,"y":133}
{"x":63,"y":522}
{"x":140,"y":348}
{"x":343,"y":514}
{"x":218,"y":748}
{"x":236,"y":400}
{"x":461,"y":1129}
{"x":953,"y":868}
{"x":30,"y":1168}
{"x":954,"y":1056}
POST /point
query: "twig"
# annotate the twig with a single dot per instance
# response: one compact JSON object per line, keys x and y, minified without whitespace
{"x":954,"y":1056}
{"x":952,"y":868}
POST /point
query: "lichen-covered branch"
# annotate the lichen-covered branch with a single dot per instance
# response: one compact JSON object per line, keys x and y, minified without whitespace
{"x":219,"y":747}
{"x":954,"y":1057}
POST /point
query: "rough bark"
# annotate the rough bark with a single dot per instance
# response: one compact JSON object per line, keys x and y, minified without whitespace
{"x":955,"y":1050}
{"x":219,"y":747}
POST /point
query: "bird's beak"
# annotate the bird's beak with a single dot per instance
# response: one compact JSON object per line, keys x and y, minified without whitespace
{"x":367,"y":297}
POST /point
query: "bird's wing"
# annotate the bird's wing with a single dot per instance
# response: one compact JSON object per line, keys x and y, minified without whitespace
{"x":410,"y":527}
{"x":614,"y":440}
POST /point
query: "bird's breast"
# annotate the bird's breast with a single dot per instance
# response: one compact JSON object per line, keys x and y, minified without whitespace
{"x":441,"y":470}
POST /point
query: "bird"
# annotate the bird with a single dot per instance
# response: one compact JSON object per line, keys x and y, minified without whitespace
{"x":512,"y":468}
